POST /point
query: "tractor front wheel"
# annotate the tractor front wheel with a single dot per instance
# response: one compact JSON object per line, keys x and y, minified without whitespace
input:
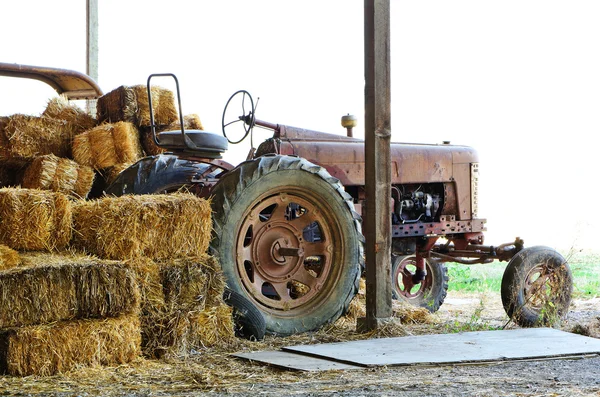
{"x":536,"y":287}
{"x":288,"y":239}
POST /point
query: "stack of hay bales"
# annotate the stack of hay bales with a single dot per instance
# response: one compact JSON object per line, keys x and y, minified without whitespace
{"x":165,"y":238}
{"x":59,"y":310}
{"x":102,"y":147}
{"x":142,"y":280}
{"x":41,"y":147}
{"x":129,"y":106}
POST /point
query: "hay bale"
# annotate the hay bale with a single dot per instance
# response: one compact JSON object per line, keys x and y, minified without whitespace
{"x":193,"y":283}
{"x":153,"y":226}
{"x":32,"y":219}
{"x":47,"y":288}
{"x":108,"y":145}
{"x":46,"y":350}
{"x":190,"y":122}
{"x":77,"y":120}
{"x":163,"y":105}
{"x":182,"y":306}
{"x":9,"y":258}
{"x":119,"y":104}
{"x":178,"y":333}
{"x":59,"y":175}
{"x":131,"y":104}
{"x":26,"y":137}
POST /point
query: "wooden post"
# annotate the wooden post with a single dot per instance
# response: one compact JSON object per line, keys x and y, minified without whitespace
{"x":378,"y":172}
{"x":92,"y":47}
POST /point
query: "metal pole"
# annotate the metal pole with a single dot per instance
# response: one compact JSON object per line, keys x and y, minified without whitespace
{"x":92,"y":47}
{"x":378,"y":172}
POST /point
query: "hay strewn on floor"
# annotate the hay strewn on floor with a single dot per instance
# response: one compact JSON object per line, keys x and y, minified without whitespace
{"x":76,"y":119}
{"x":46,"y":288}
{"x":190,"y":122}
{"x":34,"y":219}
{"x":108,"y":145}
{"x":131,"y":104}
{"x":26,"y":137}
{"x":9,"y":258}
{"x":182,"y":306}
{"x":59,"y":175}
{"x":45,"y":350}
{"x":152,"y":226}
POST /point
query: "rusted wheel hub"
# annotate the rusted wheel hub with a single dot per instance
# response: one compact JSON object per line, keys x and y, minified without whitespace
{"x":279,"y":266}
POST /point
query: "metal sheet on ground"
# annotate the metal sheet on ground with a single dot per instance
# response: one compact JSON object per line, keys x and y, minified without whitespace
{"x":288,"y":360}
{"x":467,"y":347}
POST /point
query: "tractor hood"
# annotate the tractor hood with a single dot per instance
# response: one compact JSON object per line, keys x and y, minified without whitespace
{"x":344,"y":157}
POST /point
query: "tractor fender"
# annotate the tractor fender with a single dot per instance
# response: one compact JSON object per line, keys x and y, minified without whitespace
{"x":160,"y":174}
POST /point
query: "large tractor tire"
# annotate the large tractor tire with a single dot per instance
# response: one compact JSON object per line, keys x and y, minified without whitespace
{"x":536,"y":287}
{"x":429,"y":293}
{"x":288,"y":239}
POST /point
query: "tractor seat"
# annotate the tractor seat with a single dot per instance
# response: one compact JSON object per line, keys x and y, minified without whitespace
{"x":207,"y":144}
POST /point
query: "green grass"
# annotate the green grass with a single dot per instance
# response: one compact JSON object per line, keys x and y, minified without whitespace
{"x":488,"y":277}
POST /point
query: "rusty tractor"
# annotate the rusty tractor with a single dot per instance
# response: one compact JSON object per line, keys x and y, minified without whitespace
{"x":287,"y":220}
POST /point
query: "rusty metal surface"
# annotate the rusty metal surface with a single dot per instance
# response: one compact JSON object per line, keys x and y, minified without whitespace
{"x":73,"y":84}
{"x":438,"y":228}
{"x":409,"y":163}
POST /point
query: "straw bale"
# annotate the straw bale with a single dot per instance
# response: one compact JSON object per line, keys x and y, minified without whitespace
{"x":32,"y":219}
{"x":77,"y":120}
{"x":60,"y":175}
{"x":46,"y":350}
{"x":9,"y":258}
{"x":182,"y":305}
{"x":163,"y":105}
{"x":119,"y":104}
{"x":47,"y":288}
{"x":108,"y":145}
{"x":192,"y":283}
{"x":25,"y":137}
{"x":153,"y":226}
{"x":190,"y":122}
{"x":131,"y":104}
{"x":178,"y":333}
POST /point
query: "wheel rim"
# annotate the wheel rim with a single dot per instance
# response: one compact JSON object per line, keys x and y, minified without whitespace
{"x":285,"y":251}
{"x":541,"y":284}
{"x":403,"y":280}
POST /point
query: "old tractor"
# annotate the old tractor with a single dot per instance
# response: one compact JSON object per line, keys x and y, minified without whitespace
{"x":287,"y":220}
{"x":287,"y":224}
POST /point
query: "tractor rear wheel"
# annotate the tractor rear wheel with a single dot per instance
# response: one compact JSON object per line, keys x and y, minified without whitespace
{"x":429,"y":293}
{"x":288,"y":239}
{"x":536,"y":287}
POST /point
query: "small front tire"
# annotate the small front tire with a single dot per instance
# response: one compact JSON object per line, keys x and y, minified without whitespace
{"x":536,"y":287}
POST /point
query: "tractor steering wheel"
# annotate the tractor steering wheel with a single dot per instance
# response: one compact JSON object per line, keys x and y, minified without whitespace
{"x":243,"y":99}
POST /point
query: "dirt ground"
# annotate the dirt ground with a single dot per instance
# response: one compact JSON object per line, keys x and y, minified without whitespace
{"x":217,"y":373}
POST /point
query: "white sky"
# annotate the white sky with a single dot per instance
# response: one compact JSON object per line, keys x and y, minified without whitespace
{"x":517,"y":80}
